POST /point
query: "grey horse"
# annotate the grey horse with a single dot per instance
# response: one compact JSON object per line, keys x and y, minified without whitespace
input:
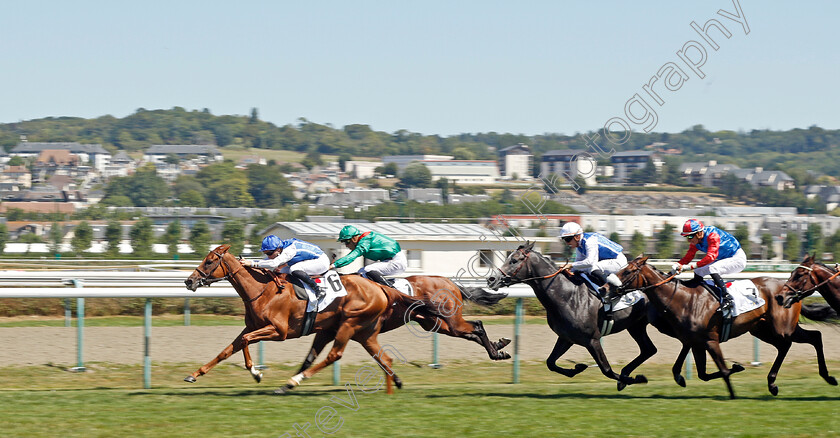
{"x":575,"y":313}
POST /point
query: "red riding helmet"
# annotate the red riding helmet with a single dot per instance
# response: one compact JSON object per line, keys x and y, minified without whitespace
{"x":691,"y":226}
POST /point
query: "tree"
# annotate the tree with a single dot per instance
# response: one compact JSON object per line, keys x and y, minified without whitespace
{"x":343,"y":159}
{"x":615,"y":237}
{"x":233,"y":233}
{"x":637,"y":244}
{"x":171,"y":237}
{"x":113,"y":237}
{"x":793,"y":251}
{"x":171,"y":159}
{"x":416,"y":175}
{"x":268,"y":187}
{"x":82,"y":237}
{"x":312,"y":159}
{"x":200,"y":238}
{"x":230,"y":193}
{"x":665,"y":242}
{"x":742,"y":233}
{"x":56,"y":234}
{"x":463,"y":154}
{"x":144,"y":188}
{"x":17,"y":161}
{"x":767,"y":252}
{"x":142,"y":238}
{"x":4,"y":237}
{"x":814,"y":243}
{"x":192,"y":198}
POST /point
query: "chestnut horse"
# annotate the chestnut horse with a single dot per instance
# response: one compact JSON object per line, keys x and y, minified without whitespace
{"x":273,"y":313}
{"x":449,"y":299}
{"x":692,"y":312}
{"x":811,"y":276}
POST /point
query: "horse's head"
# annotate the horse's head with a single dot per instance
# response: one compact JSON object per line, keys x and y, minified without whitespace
{"x":802,"y":278}
{"x":212,"y":269}
{"x":631,"y":275}
{"x":514,"y":269}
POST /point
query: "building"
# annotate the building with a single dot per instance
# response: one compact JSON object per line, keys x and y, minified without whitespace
{"x":569,"y":164}
{"x":464,"y":171}
{"x":625,"y":163}
{"x":706,"y":174}
{"x":95,"y":154}
{"x":18,"y":176}
{"x":362,"y":169}
{"x":758,"y":177}
{"x":202,"y":153}
{"x":402,"y":161}
{"x":452,"y":250}
{"x":353,"y":198}
{"x":516,"y":162}
{"x":426,"y":196}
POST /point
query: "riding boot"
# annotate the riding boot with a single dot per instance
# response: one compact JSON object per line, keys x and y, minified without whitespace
{"x":724,"y":299}
{"x":377,"y":277}
{"x":304,"y":277}
{"x":601,"y":280}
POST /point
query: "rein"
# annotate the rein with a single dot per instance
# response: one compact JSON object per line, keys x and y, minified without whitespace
{"x":206,"y":280}
{"x":799,"y":294}
{"x":521,"y":264}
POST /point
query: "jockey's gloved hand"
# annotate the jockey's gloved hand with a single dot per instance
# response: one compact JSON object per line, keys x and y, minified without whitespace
{"x":676,"y":267}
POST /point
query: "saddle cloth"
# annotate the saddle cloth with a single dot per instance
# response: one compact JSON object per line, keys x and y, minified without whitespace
{"x":330,"y":281}
{"x":744,"y":296}
{"x":402,"y":285}
{"x":626,"y":300}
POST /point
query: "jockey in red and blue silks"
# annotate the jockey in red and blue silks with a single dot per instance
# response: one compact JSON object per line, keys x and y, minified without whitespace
{"x":723,"y":254}
{"x":301,"y":259}
{"x":596,"y":255}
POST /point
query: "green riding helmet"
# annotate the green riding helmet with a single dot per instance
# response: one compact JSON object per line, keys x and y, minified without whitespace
{"x":348,"y":232}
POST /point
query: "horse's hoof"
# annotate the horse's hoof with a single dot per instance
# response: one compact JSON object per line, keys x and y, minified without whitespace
{"x":736,"y":368}
{"x":640,"y":379}
{"x":397,"y":382}
{"x":579,"y":368}
{"x":258,"y":377}
{"x":621,"y":385}
{"x":773,"y":389}
{"x":503,"y":342}
{"x":283,"y":390}
{"x":831,"y":381}
{"x":680,"y":380}
{"x":189,"y":379}
{"x":502,"y":355}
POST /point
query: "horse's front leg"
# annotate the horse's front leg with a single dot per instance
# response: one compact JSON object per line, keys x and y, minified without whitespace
{"x":597,"y":352}
{"x":676,"y":370}
{"x":267,"y":333}
{"x":234,"y":346}
{"x":321,"y":340}
{"x":342,"y":337}
{"x":639,"y":334}
{"x":560,"y":347}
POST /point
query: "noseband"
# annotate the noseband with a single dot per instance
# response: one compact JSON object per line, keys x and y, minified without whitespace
{"x":207,"y":280}
{"x":511,"y":278}
{"x":799,"y":294}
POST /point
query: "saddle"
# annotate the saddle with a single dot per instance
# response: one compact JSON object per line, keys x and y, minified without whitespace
{"x":300,"y":293}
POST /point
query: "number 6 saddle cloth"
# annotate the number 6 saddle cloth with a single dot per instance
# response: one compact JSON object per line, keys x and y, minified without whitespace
{"x":330,"y":282}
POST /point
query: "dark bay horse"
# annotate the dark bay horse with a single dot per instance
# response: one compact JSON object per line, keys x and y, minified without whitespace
{"x":811,"y":276}
{"x":692,"y":314}
{"x":449,"y":299}
{"x":574,"y":313}
{"x":273,"y":313}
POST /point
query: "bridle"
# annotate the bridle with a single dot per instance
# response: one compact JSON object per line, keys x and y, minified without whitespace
{"x":511,"y":278}
{"x":207,"y":280}
{"x":800,"y":294}
{"x":623,"y":289}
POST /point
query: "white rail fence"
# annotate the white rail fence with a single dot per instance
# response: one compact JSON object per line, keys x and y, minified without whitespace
{"x":170,"y":284}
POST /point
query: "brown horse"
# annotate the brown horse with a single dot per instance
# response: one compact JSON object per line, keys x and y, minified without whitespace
{"x":273,"y":313}
{"x":449,"y":299}
{"x":692,"y":313}
{"x":811,"y":276}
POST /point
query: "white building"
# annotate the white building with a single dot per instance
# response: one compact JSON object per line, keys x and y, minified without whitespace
{"x":88,"y":153}
{"x":516,"y":161}
{"x":570,"y":164}
{"x":402,"y":161}
{"x":362,"y":169}
{"x":205,"y":153}
{"x":431,"y":249}
{"x":464,"y":171}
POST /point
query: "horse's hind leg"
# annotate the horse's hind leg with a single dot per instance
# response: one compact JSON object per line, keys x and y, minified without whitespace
{"x":597,"y":352}
{"x":321,"y":341}
{"x":813,"y":337}
{"x":342,"y":337}
{"x":234,"y":346}
{"x":493,"y":348}
{"x":700,"y":361}
{"x":385,"y":362}
{"x":717,"y":356}
{"x":560,"y":347}
{"x":646,"y":349}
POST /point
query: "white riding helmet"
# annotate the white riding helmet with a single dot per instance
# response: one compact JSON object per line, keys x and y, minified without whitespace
{"x":570,"y":229}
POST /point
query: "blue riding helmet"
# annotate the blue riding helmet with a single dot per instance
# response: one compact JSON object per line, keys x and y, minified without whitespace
{"x":270,"y":243}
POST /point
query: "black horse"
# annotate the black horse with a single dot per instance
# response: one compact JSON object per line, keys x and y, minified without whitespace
{"x":575,"y":314}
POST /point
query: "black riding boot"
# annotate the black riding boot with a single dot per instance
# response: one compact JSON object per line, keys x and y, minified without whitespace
{"x":302,"y":276}
{"x":601,"y":280}
{"x":377,"y":277}
{"x":724,"y":299}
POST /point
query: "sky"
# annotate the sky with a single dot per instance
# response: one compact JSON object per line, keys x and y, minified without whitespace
{"x":433,"y":67}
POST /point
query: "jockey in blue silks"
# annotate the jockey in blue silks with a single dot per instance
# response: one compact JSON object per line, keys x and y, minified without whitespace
{"x":596,"y":255}
{"x":301,"y":259}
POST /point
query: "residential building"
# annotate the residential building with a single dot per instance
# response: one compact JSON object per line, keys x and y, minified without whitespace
{"x":362,"y":169}
{"x":19,"y":176}
{"x":706,"y":174}
{"x":201,"y":153}
{"x":568,"y":164}
{"x":94,"y":154}
{"x":464,"y":171}
{"x":625,"y":163}
{"x":516,"y":162}
{"x":402,"y":161}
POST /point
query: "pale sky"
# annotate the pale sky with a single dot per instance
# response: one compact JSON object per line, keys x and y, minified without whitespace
{"x":434,"y":67}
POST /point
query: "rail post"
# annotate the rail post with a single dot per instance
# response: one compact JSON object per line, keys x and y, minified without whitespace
{"x":336,"y":373}
{"x":186,"y":311}
{"x":756,"y":345}
{"x":516,"y":322}
{"x":147,"y":333}
{"x":435,"y":349}
{"x":80,"y":329}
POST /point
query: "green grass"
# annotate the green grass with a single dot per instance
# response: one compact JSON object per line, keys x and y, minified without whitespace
{"x":124,"y":321}
{"x":462,"y":399}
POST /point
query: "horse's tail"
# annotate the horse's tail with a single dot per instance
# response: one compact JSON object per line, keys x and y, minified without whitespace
{"x":818,"y":312}
{"x":412,"y":308}
{"x":481,"y":296}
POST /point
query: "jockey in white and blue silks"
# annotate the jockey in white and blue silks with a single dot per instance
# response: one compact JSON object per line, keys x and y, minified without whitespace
{"x":293,"y":256}
{"x":596,"y":255}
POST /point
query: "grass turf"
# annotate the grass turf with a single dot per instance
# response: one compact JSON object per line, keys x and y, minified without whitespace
{"x":461,"y":399}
